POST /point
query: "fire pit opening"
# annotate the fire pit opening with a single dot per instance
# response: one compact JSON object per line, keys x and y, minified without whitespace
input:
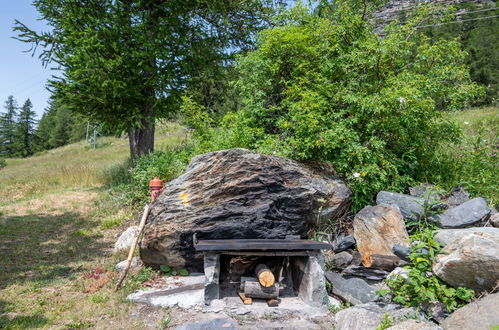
{"x":268,"y":269}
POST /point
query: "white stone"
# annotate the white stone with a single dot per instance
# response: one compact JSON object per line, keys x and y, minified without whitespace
{"x":447,"y":236}
{"x":120,"y":266}
{"x":471,"y":262}
{"x":125,"y":240}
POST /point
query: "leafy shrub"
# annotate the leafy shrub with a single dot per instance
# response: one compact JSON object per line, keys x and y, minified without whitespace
{"x":132,"y":179}
{"x":422,"y":286}
{"x":330,"y":89}
{"x":3,"y":163}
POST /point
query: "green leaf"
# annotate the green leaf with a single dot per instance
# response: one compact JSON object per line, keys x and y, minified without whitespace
{"x":183,"y":272}
{"x":165,"y":268}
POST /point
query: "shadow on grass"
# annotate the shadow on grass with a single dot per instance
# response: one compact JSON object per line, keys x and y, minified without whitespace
{"x":14,"y":321}
{"x":44,"y":249}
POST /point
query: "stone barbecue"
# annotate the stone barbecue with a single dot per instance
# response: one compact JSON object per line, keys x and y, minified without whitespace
{"x":296,"y":264}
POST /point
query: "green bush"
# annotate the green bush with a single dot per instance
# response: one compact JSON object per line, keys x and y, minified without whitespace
{"x":3,"y":163}
{"x":330,"y":89}
{"x":131,"y":179}
{"x":422,"y":286}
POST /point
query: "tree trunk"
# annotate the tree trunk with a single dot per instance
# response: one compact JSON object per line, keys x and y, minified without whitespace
{"x":141,"y":139}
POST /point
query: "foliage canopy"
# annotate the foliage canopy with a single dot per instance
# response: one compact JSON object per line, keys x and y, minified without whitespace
{"x":330,"y":89}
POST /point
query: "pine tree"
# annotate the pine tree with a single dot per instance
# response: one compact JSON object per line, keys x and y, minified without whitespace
{"x":63,"y":123}
{"x":25,"y":130}
{"x":45,"y":129}
{"x":8,"y":128}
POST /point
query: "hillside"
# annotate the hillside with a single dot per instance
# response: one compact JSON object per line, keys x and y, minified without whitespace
{"x":58,"y":225}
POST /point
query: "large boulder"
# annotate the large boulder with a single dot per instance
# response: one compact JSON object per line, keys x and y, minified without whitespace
{"x":478,"y":315}
{"x":369,"y":316}
{"x":377,"y":229}
{"x":236,"y":193}
{"x":465,"y":215}
{"x":447,"y":236}
{"x":471,"y":262}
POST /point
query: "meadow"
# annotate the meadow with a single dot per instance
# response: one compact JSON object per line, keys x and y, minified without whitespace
{"x":59,"y":220}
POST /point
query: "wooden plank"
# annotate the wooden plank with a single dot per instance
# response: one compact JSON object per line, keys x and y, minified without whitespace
{"x":268,"y":253}
{"x":246,"y":300}
{"x":259,"y":244}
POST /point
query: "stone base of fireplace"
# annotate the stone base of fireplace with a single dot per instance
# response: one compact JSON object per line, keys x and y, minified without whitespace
{"x":304,"y":268}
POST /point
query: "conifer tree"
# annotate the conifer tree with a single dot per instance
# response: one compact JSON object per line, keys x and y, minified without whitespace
{"x":8,"y":128}
{"x":45,"y":129}
{"x":25,"y":129}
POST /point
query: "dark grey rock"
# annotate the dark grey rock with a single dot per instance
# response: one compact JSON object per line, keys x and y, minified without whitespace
{"x":343,"y":242}
{"x":457,"y":196}
{"x":234,"y":194}
{"x":435,"y":310}
{"x":212,"y":274}
{"x":447,"y":236}
{"x":371,"y":274}
{"x":354,"y":290}
{"x":411,"y":207}
{"x":401,"y":251}
{"x":215,"y":324}
{"x":342,"y":260}
{"x":481,"y":314}
{"x":464,"y":215}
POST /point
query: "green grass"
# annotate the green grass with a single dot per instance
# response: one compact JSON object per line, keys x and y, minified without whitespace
{"x":57,"y":223}
{"x":473,"y":162}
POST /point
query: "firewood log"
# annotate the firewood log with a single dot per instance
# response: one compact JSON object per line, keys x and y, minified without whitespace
{"x":265,"y":275}
{"x":379,"y":261}
{"x":256,"y":290}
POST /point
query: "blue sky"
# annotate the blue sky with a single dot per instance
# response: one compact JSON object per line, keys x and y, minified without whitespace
{"x":21,"y":74}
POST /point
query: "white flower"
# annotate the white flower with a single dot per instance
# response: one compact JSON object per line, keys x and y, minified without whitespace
{"x":356,"y":175}
{"x":466,"y":123}
{"x":402,"y":99}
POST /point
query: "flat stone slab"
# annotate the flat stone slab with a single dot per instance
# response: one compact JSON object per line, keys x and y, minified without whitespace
{"x":447,"y":236}
{"x":222,"y":323}
{"x":188,"y":293}
{"x":184,"y":292}
{"x":354,"y":290}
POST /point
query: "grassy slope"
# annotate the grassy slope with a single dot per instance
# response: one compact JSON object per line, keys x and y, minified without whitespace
{"x":54,"y":227}
{"x":56,"y":224}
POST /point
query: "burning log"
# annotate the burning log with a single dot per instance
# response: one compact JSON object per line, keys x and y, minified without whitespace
{"x":252,"y":288}
{"x":264,"y":275}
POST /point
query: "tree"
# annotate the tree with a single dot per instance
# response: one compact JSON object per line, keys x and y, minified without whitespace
{"x":125,"y":63}
{"x":8,"y":128}
{"x":25,"y":129}
{"x":45,"y":129}
{"x":332,"y":90}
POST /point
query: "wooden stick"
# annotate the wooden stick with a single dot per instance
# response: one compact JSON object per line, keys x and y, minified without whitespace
{"x":246,"y":300}
{"x":132,"y":248}
{"x":265,"y":275}
{"x":388,"y":263}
